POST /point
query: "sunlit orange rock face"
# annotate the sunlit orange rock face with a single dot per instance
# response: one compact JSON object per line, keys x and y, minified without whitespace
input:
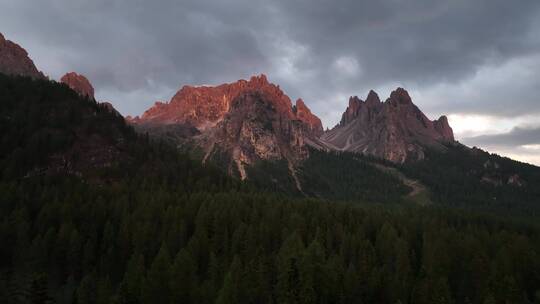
{"x":205,"y":106}
{"x":304,"y":114}
{"x":79,"y":84}
{"x":395,"y":130}
{"x":14,"y":60}
{"x":248,"y":120}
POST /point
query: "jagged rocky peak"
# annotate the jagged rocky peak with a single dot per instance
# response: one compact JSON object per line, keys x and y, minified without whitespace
{"x":239,"y":123}
{"x":372,"y":99}
{"x":352,"y":110}
{"x":400,"y":96}
{"x":395,"y":130}
{"x":14,"y":60}
{"x":79,"y":84}
{"x":205,"y":106}
{"x":357,"y":106}
{"x":303,"y":113}
{"x":443,"y":127}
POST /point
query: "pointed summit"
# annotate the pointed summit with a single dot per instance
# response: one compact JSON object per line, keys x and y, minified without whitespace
{"x":443,"y":127}
{"x":304,"y":114}
{"x":14,"y":60}
{"x":372,"y":99}
{"x":79,"y":84}
{"x":400,"y":96}
{"x":261,"y":79}
{"x":352,"y":110}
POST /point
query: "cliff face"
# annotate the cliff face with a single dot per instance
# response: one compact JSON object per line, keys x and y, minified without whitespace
{"x":239,"y":123}
{"x":14,"y":60}
{"x":395,"y":130}
{"x":204,"y":106}
{"x":303,"y":113}
{"x":255,"y":129}
{"x":79,"y":84}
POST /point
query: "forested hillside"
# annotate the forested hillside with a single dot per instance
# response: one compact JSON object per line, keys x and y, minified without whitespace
{"x":138,"y":222}
{"x":474,"y":178}
{"x":135,"y":243}
{"x":348,"y":176}
{"x":48,"y":130}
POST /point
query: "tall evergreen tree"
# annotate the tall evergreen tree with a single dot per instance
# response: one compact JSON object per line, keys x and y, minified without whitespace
{"x":156,"y":288}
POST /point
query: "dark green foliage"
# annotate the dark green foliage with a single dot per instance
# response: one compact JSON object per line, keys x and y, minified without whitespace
{"x":248,"y":248}
{"x":273,"y":176}
{"x":474,"y":178}
{"x":47,"y":129}
{"x":348,"y":176}
{"x":165,"y":229}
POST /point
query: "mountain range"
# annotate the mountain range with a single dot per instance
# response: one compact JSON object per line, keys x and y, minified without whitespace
{"x":235,"y":194}
{"x":253,"y":131}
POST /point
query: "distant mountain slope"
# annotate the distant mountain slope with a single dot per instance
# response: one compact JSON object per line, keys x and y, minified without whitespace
{"x":50,"y":130}
{"x":462,"y":176}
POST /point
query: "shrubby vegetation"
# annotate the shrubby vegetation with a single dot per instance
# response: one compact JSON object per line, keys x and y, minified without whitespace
{"x":157,"y":227}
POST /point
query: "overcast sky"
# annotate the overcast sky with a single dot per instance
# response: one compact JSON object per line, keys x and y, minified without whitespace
{"x":477,"y":61}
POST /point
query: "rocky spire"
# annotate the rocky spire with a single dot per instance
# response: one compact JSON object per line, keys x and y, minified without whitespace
{"x":14,"y":60}
{"x":443,"y":127}
{"x":400,"y":96}
{"x":372,"y":99}
{"x":304,"y":114}
{"x":352,"y":110}
{"x":79,"y":84}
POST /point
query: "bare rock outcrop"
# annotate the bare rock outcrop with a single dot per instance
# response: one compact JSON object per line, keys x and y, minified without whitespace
{"x":14,"y":60}
{"x":303,"y":113}
{"x":79,"y":84}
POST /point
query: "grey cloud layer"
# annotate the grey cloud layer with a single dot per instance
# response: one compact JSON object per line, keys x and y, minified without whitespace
{"x":320,"y":50}
{"x":519,"y":136}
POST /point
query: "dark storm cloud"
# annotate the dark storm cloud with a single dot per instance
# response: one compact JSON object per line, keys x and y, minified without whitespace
{"x":518,"y":136}
{"x":320,"y":50}
{"x":127,"y":44}
{"x":415,"y":40}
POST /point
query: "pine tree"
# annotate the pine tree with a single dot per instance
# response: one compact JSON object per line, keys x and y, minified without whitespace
{"x":440,"y":291}
{"x":130,"y":288}
{"x":104,"y":291}
{"x":156,"y":286}
{"x":38,"y":290}
{"x":229,"y":292}
{"x":86,"y":293}
{"x":289,"y":284}
{"x":183,"y":277}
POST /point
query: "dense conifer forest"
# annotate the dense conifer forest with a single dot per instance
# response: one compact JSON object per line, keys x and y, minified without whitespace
{"x":154,"y":226}
{"x":476,"y":179}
